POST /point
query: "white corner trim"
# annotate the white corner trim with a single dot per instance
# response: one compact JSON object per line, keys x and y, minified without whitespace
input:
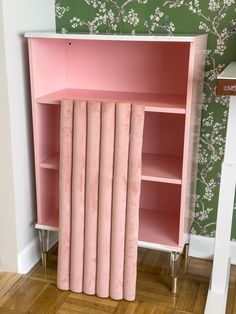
{"x":31,"y":254}
{"x":203,"y":247}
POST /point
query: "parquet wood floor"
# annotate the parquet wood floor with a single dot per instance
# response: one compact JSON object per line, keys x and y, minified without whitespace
{"x":36,"y":292}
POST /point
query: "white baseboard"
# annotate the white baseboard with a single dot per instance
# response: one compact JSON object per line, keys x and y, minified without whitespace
{"x":31,"y":254}
{"x":203,"y":247}
{"x":200,"y":247}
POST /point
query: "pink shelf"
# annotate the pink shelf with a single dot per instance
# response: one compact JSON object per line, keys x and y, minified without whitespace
{"x":161,"y":168}
{"x":153,"y":102}
{"x":160,"y":227}
{"x":52,"y":162}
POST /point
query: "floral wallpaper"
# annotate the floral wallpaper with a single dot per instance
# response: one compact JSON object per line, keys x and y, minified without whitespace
{"x":217,"y":18}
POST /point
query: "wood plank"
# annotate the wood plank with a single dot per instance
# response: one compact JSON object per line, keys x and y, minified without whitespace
{"x":164,"y":310}
{"x":88,"y":304}
{"x":7,"y":281}
{"x":7,"y":311}
{"x":12,"y":290}
{"x":183,"y":295}
{"x":125,"y":307}
{"x":200,"y":301}
{"x":192,"y":296}
{"x":49,"y":301}
{"x":26,"y":294}
{"x":145,"y":308}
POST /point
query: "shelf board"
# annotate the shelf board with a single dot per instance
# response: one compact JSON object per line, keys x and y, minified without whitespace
{"x":160,"y":228}
{"x":161,"y":168}
{"x":51,"y":222}
{"x":52,"y":162}
{"x":153,"y":102}
{"x":157,"y":168}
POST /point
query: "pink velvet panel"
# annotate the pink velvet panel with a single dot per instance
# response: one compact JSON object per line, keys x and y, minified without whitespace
{"x":78,"y":196}
{"x":99,"y":211}
{"x":119,"y":199}
{"x":63,"y":281}
{"x":105,"y":198}
{"x":133,"y":199}
{"x":91,"y":196}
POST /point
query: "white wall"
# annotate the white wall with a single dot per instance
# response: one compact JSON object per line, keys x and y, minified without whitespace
{"x":18,"y":210}
{"x":8,"y":250}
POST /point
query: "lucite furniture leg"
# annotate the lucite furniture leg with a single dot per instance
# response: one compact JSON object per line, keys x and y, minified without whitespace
{"x":174,"y":257}
{"x":186,"y":251}
{"x":44,"y":245}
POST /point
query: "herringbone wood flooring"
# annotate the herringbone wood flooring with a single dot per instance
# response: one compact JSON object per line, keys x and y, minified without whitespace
{"x":36,"y":292}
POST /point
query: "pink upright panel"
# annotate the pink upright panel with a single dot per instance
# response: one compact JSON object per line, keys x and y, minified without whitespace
{"x":133,"y":199}
{"x":63,"y":281}
{"x":119,"y":199}
{"x":91,"y":197}
{"x":105,"y":198}
{"x":78,"y":196}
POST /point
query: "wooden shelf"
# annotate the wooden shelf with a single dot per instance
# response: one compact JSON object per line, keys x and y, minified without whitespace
{"x":153,"y":102}
{"x":159,"y":227}
{"x":162,"y":168}
{"x":52,"y":162}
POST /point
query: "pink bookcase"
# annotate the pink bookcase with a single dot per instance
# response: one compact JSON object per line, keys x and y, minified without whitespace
{"x":163,"y":72}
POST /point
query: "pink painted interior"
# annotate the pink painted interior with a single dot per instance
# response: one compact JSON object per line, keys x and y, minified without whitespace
{"x":49,"y":196}
{"x":48,"y":65}
{"x":141,"y":67}
{"x":159,"y":213}
{"x":128,"y":66}
{"x":163,"y":134}
{"x":48,"y":126}
{"x":162,"y":168}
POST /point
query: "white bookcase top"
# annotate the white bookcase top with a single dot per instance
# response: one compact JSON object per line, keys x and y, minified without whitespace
{"x":123,"y":37}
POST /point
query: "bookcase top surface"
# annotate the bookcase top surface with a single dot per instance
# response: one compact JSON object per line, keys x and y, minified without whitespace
{"x":123,"y":37}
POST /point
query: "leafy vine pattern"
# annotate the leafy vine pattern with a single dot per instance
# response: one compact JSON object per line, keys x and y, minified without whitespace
{"x":214,"y":18}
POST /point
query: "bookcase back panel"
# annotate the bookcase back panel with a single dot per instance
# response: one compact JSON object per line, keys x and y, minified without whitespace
{"x":48,"y":130}
{"x":128,"y":66}
{"x":163,"y":134}
{"x":49,"y":195}
{"x":48,"y":65}
{"x":160,"y":196}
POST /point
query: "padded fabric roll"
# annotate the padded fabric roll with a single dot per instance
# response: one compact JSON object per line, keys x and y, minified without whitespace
{"x":105,"y":198}
{"x":63,"y":281}
{"x":91,"y":197}
{"x":133,"y":199}
{"x":119,"y":199}
{"x":99,"y":197}
{"x":78,"y":196}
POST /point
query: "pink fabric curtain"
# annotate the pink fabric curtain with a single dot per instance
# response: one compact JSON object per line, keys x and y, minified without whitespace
{"x":100,"y":179}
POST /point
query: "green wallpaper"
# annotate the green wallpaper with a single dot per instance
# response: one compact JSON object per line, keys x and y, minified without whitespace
{"x":215,"y":17}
